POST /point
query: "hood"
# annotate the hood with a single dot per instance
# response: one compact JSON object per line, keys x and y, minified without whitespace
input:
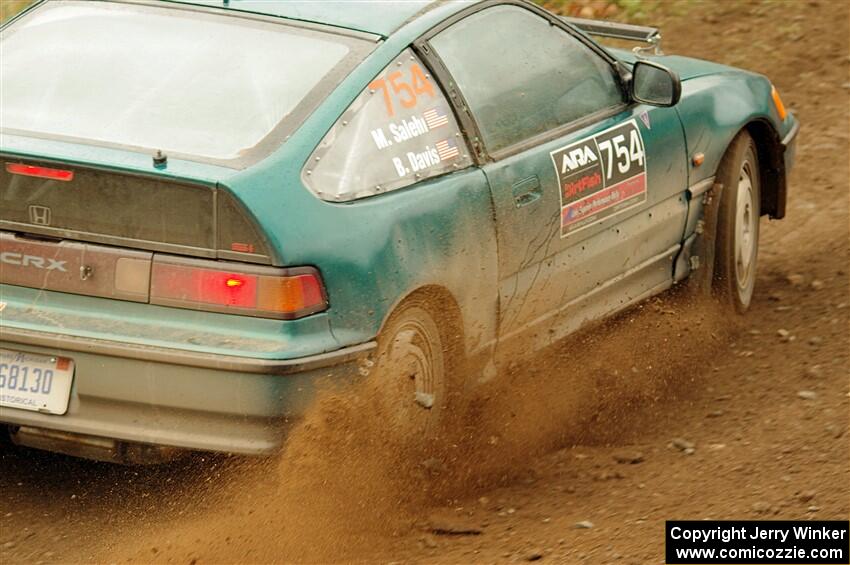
{"x":686,"y":67}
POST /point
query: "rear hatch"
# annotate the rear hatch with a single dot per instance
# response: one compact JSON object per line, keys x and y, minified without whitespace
{"x":58,"y":201}
{"x":91,"y":231}
{"x":138,"y":237}
{"x":146,"y":108}
{"x":119,"y":125}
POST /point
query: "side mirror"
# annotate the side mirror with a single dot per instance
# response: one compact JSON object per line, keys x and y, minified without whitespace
{"x":655,"y":84}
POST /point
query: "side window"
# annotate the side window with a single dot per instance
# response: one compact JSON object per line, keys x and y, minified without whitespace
{"x":398,"y":131}
{"x":522,"y":76}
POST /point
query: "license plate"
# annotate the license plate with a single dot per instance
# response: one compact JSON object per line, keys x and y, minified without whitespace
{"x":41,"y":383}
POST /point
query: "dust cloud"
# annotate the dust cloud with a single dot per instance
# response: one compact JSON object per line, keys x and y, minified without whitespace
{"x":346,"y":485}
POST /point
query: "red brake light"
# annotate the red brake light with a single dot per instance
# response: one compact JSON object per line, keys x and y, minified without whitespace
{"x":249,"y":290}
{"x":40,"y":172}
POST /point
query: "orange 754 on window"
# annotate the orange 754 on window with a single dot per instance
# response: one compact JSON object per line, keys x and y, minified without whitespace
{"x":417,"y":85}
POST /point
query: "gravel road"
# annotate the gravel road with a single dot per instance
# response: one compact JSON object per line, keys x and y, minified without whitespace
{"x":669,"y":412}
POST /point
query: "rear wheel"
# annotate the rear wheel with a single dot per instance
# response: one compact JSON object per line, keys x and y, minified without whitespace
{"x":412,"y":371}
{"x":738,"y":224}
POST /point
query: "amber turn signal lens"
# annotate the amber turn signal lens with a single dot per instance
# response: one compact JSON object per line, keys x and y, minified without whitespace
{"x":777,"y":101}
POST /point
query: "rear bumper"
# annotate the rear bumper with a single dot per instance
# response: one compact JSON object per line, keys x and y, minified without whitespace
{"x":176,"y":398}
{"x":184,"y":357}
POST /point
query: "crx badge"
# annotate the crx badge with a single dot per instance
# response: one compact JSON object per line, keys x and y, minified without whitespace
{"x":40,"y":215}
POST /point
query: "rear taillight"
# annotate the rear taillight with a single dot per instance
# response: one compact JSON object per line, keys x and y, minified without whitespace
{"x":39,"y":172}
{"x":236,"y":288}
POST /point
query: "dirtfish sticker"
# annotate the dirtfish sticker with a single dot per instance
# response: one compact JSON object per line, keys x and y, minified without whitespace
{"x":600,"y":176}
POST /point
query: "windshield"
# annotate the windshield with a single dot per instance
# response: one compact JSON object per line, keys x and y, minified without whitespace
{"x":189,"y":82}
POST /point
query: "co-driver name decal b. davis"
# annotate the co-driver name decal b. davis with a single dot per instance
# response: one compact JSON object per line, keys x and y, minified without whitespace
{"x":600,"y":176}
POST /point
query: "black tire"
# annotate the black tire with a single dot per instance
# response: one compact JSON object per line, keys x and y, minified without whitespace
{"x":736,"y":251}
{"x":413,"y":366}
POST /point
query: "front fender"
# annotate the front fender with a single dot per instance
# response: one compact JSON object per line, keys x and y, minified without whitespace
{"x":715,"y":108}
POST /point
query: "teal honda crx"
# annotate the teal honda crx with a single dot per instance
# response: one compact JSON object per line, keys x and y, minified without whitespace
{"x":207,"y":206}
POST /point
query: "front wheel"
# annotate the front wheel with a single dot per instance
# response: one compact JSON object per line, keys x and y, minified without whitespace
{"x":738,"y":224}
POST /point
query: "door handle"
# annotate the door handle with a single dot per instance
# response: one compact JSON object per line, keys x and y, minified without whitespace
{"x":526,"y":191}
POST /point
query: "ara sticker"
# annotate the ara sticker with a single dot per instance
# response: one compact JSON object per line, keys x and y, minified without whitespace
{"x":600,"y":176}
{"x":644,"y":117}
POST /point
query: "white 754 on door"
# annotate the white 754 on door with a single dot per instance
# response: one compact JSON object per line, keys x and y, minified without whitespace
{"x":625,"y":156}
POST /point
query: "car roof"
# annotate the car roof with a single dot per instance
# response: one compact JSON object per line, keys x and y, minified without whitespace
{"x":378,"y":17}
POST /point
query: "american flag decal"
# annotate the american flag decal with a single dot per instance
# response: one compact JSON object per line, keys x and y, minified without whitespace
{"x":434,"y":119}
{"x":447,"y":149}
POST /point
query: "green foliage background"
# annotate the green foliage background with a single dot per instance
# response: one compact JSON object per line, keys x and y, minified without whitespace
{"x":9,"y":8}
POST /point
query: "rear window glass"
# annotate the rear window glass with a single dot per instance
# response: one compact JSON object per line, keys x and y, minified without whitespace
{"x":188,"y":82}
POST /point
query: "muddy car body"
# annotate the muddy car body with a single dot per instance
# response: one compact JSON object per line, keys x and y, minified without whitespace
{"x":186,"y":266}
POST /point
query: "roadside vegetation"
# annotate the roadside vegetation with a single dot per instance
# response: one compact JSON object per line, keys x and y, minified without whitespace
{"x":9,"y":8}
{"x":634,"y":11}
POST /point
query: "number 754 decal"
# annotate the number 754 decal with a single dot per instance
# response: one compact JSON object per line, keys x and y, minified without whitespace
{"x":600,"y":176}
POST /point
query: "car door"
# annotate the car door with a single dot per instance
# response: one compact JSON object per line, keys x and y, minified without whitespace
{"x":588,"y":188}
